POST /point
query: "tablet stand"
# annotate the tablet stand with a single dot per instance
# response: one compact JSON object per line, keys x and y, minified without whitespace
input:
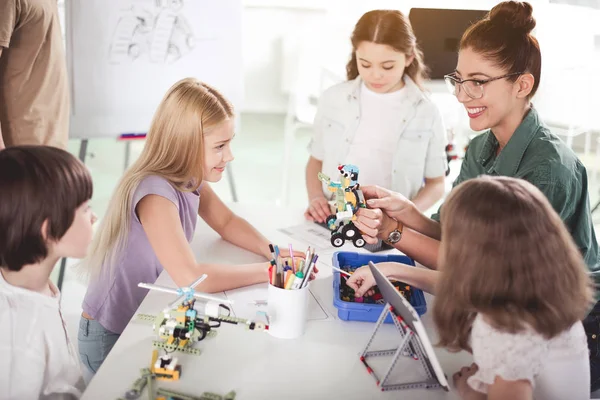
{"x":410,"y":346}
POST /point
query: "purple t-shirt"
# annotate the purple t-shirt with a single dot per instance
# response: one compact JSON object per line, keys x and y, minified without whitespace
{"x":113,"y":301}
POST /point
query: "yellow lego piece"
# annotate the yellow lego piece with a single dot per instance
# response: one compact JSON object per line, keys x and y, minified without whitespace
{"x":163,"y":374}
{"x":170,"y":372}
{"x":153,"y":359}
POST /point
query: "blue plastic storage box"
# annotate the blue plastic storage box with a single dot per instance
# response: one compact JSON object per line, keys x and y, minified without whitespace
{"x":350,"y":311}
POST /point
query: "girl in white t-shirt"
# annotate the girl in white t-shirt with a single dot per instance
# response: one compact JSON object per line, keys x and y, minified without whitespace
{"x":513,"y":290}
{"x":380,"y":119}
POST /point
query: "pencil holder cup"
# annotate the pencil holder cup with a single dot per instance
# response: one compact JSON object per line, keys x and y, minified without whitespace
{"x":288,"y":311}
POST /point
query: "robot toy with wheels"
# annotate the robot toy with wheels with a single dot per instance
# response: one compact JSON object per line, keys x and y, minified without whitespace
{"x":348,"y":199}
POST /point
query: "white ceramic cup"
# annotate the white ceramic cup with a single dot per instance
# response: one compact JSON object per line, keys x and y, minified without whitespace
{"x":288,"y":311}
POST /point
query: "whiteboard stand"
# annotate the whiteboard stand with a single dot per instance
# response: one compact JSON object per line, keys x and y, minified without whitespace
{"x":127,"y":155}
{"x":83,"y":150}
{"x":63,"y":263}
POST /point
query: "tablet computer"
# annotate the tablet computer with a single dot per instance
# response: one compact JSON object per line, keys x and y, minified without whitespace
{"x":403,"y":309}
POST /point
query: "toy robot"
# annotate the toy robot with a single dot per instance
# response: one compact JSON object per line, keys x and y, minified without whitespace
{"x":184,"y":321}
{"x":348,"y":199}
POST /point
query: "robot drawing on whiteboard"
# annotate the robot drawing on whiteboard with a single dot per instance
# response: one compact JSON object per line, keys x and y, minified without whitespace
{"x":153,"y":28}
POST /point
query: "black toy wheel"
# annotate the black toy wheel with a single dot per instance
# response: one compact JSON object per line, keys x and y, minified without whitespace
{"x":349,"y":231}
{"x":359,"y":241}
{"x":337,"y":240}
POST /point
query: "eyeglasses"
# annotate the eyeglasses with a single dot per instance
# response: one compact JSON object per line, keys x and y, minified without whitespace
{"x":473,"y":87}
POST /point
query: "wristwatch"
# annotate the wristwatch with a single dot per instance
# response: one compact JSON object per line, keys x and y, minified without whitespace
{"x":395,"y":235}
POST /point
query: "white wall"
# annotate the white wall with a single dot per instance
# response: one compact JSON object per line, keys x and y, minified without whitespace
{"x":324,"y":28}
{"x":320,"y":29}
{"x":264,"y":30}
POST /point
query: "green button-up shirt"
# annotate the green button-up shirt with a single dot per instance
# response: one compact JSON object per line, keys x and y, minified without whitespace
{"x":536,"y":155}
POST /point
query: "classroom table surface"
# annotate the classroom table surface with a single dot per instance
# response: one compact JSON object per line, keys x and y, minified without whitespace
{"x":322,"y":364}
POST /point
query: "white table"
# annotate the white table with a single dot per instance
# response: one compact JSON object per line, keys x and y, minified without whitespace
{"x":323,"y":364}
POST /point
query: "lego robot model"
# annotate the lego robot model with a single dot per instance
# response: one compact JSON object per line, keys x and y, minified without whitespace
{"x":348,"y":199}
{"x":184,"y":322}
{"x":154,"y":27}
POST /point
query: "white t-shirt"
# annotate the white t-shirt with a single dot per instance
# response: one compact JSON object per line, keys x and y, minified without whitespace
{"x":37,"y":359}
{"x":558,"y":368}
{"x":376,"y":138}
{"x":400,"y":160}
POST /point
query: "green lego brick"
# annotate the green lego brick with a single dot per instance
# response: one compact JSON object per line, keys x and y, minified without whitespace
{"x":204,"y":396}
{"x":145,"y":317}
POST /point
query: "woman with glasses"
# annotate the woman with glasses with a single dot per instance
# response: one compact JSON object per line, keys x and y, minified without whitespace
{"x":379,"y":119}
{"x":497,"y":74}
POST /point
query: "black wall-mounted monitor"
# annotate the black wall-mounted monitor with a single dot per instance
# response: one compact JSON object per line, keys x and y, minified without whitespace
{"x":438,"y":33}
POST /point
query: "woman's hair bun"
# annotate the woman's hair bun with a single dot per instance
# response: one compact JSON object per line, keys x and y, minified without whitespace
{"x":516,"y":15}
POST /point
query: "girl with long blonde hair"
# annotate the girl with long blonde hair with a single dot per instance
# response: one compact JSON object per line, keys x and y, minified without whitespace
{"x":152,"y":217}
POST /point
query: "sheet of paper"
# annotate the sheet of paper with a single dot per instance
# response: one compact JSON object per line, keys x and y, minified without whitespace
{"x":249,"y":300}
{"x":312,"y":234}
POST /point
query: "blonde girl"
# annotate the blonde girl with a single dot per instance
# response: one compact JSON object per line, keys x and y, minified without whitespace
{"x":152,"y":217}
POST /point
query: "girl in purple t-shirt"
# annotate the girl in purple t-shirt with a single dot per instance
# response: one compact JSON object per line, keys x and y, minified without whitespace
{"x":152,"y":216}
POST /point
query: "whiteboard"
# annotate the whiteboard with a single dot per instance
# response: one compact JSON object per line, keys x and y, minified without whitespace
{"x":123,"y":55}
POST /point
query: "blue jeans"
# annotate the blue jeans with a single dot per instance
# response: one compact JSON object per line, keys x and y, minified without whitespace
{"x":95,"y":342}
{"x":592,"y":329}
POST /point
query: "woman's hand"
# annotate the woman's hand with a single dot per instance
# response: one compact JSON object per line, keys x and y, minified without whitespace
{"x":318,"y":210}
{"x":374,"y":224}
{"x":391,"y":203}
